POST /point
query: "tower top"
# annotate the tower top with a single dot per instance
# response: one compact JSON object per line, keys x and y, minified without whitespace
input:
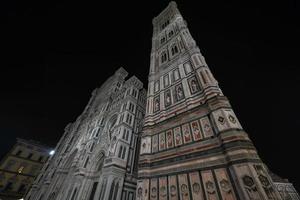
{"x":168,"y":14}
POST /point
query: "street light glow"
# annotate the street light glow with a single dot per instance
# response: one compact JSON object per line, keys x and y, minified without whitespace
{"x":51,"y":152}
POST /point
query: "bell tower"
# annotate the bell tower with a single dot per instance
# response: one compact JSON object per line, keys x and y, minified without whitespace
{"x":192,"y":144}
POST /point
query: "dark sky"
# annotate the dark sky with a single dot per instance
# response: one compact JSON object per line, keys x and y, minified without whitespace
{"x":55,"y":53}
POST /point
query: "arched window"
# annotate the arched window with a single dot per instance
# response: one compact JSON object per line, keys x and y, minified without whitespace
{"x":74,"y":194}
{"x":111,"y":190}
{"x":162,"y":40}
{"x":174,"y":49}
{"x":163,"y":57}
{"x":171,"y":33}
{"x":116,"y":191}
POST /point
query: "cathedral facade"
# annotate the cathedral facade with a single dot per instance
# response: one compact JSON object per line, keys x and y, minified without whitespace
{"x":180,"y":140}
{"x":96,"y":157}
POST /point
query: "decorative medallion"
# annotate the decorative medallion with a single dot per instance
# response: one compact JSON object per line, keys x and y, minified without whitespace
{"x":184,"y":189}
{"x":248,"y":181}
{"x":225,"y":186}
{"x":196,"y":188}
{"x":264,"y":180}
{"x":221,"y":119}
{"x":140,"y":190}
{"x":232,"y":119}
{"x":210,"y":187}
{"x":153,"y":192}
{"x":163,"y":191}
{"x":173,"y":190}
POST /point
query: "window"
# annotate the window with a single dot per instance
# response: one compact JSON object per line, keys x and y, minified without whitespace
{"x":92,"y":147}
{"x":21,"y":188}
{"x":40,"y":158}
{"x":162,"y":40}
{"x":131,"y":107}
{"x":29,"y":156}
{"x":86,"y":162}
{"x":171,"y":33}
{"x":18,"y":153}
{"x":163,"y":57}
{"x":174,"y":50}
{"x":8,"y":186}
{"x":95,"y":184}
{"x":120,"y":151}
{"x":124,"y":152}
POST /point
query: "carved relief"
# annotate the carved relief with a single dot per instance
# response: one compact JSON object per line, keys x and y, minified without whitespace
{"x":179,"y":95}
{"x":163,"y":188}
{"x":172,"y":188}
{"x":154,"y":190}
{"x":209,"y":185}
{"x":224,"y":184}
{"x":206,"y":127}
{"x":146,"y":145}
{"x":186,"y":133}
{"x":162,"y":141}
{"x":170,"y":140}
{"x":196,"y":185}
{"x":168,"y":100}
{"x":156,"y":105}
{"x":155,"y":143}
{"x":177,"y":136}
{"x":247,"y":182}
{"x":267,"y":186}
{"x":183,"y":187}
{"x":193,"y":84}
{"x":197,"y":135}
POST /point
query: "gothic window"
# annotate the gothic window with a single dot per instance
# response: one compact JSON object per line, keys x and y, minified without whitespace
{"x":92,"y":147}
{"x":124,"y":152}
{"x":74,"y":194}
{"x":95,"y":184}
{"x":171,"y":33}
{"x":163,"y":57}
{"x":162,"y":40}
{"x":187,"y":68}
{"x":166,"y":80}
{"x":174,"y":49}
{"x":131,"y":107}
{"x":120,"y":151}
{"x":86,"y":162}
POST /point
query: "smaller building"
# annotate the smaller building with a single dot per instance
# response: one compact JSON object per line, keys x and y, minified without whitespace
{"x":284,"y":187}
{"x":19,"y":167}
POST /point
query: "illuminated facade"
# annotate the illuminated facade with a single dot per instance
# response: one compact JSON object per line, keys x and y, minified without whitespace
{"x":20,"y":166}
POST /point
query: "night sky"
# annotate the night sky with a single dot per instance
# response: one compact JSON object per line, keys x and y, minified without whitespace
{"x":55,"y":53}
